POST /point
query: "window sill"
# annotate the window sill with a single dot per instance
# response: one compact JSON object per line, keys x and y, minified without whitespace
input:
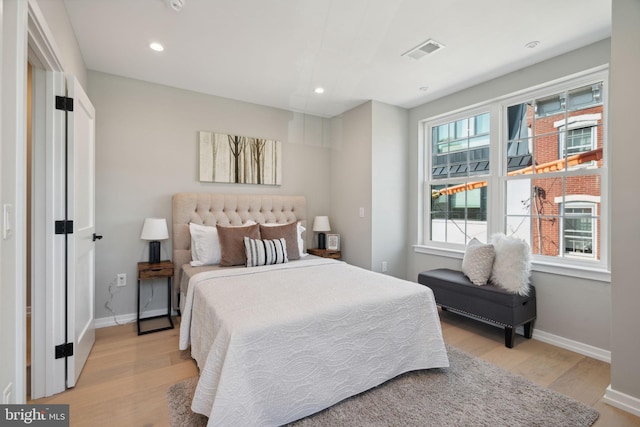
{"x":582,"y":272}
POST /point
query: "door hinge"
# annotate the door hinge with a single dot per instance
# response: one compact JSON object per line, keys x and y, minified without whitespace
{"x":64,"y":227}
{"x":63,"y":103}
{"x":64,"y":350}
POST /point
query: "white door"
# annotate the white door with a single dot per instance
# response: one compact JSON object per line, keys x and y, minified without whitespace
{"x":81,"y":244}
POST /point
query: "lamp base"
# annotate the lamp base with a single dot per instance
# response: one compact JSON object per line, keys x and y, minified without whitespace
{"x":154,"y":252}
{"x":322,"y":241}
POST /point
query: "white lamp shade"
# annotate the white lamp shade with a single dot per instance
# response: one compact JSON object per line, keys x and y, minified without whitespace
{"x":321,"y":223}
{"x":154,"y":229}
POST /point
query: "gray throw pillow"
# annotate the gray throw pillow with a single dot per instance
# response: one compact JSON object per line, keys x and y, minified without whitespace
{"x":478,"y":262}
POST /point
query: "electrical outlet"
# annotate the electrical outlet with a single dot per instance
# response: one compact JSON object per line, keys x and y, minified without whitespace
{"x":384,"y":266}
{"x":122,"y":279}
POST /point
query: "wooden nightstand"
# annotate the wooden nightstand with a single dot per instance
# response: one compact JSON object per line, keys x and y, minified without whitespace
{"x":155,"y":271}
{"x":325,"y":253}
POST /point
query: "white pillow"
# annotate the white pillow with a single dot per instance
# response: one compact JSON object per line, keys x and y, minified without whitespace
{"x":205,"y":245}
{"x":478,"y":261}
{"x":512,"y":265}
{"x":301,"y":230}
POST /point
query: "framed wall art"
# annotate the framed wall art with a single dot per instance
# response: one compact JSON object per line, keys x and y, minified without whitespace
{"x":239,"y":159}
{"x":333,"y":242}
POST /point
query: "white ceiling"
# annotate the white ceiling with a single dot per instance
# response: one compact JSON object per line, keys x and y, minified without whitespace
{"x":275,"y":52}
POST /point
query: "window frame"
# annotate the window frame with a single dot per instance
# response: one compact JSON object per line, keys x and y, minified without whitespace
{"x":497,"y":177}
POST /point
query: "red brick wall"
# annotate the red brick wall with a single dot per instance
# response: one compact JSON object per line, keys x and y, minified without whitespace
{"x":546,"y":149}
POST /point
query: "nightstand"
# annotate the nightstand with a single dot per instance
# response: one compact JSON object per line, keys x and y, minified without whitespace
{"x":325,"y":253}
{"x":155,"y":271}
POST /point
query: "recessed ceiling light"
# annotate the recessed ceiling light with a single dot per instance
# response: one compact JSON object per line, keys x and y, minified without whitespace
{"x":532,"y":44}
{"x":156,"y":46}
{"x":176,"y":5}
{"x":319,"y":90}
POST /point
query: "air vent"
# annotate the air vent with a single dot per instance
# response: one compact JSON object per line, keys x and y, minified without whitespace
{"x":423,"y":49}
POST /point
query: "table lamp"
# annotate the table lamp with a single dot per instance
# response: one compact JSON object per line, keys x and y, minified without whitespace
{"x":154,"y":229}
{"x":321,"y":224}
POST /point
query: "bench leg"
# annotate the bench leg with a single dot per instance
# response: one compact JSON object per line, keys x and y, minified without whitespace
{"x":509,"y":336}
{"x":528,"y":329}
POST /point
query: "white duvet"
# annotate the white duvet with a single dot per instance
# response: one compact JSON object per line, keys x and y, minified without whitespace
{"x":280,"y":342}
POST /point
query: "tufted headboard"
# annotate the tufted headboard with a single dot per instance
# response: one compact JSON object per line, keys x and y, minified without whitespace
{"x":227,"y":209}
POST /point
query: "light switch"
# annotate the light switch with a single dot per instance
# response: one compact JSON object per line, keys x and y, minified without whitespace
{"x":361,"y":212}
{"x":7,"y":218}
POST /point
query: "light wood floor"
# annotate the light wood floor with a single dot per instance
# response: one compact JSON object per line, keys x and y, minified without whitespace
{"x":125,"y":380}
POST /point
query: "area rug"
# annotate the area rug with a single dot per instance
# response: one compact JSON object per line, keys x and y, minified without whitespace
{"x":471,"y":392}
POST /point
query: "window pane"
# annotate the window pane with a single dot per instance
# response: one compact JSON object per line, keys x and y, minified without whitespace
{"x":550,"y":105}
{"x":546,"y":142}
{"x":563,"y":127}
{"x":461,"y":148}
{"x":520,"y":227}
{"x":519,"y":197}
{"x":585,"y":97}
{"x":545,"y":235}
{"x":482,"y":124}
{"x":582,"y":189}
{"x":458,"y":213}
{"x":531,"y":216}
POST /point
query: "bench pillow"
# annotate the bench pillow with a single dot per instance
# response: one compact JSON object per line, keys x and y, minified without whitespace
{"x":512,"y":265}
{"x":478,"y":262}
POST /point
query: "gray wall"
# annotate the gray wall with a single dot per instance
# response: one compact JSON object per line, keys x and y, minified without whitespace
{"x":625,"y":152}
{"x":146,"y":150}
{"x":571,"y":308}
{"x":368,"y":170}
{"x":351,"y":184}
{"x":389,"y":198}
{"x":55,"y":14}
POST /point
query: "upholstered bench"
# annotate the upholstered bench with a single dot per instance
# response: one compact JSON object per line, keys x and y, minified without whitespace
{"x":454,"y":291}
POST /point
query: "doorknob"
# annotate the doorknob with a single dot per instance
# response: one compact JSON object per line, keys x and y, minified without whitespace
{"x":96,"y":237}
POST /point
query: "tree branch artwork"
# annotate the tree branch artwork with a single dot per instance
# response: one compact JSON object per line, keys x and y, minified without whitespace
{"x":226,"y":158}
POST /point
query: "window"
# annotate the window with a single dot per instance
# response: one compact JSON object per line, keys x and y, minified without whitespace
{"x":546,"y":187}
{"x":580,"y":135}
{"x":460,"y":150}
{"x":563,"y":141}
{"x":579,"y":234}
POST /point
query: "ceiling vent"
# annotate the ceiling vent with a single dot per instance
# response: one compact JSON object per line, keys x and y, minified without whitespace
{"x":423,"y":49}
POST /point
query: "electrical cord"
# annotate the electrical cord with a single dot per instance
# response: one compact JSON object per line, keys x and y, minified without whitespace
{"x":107,"y":305}
{"x":148,"y":301}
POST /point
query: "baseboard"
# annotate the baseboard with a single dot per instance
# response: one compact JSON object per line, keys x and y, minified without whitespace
{"x":576,"y":346}
{"x":105,"y":322}
{"x":558,"y":341}
{"x":622,"y":401}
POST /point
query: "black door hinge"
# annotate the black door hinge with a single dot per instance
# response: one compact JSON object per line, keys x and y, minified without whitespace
{"x":63,"y":103}
{"x":64,"y":227}
{"x":64,"y":350}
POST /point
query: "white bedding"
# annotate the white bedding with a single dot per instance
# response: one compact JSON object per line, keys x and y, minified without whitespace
{"x":280,"y":342}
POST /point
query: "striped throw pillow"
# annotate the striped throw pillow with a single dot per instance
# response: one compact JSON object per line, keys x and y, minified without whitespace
{"x":265,"y":252}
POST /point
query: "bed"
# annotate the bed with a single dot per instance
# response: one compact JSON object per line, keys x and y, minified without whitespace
{"x":276,"y":343}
